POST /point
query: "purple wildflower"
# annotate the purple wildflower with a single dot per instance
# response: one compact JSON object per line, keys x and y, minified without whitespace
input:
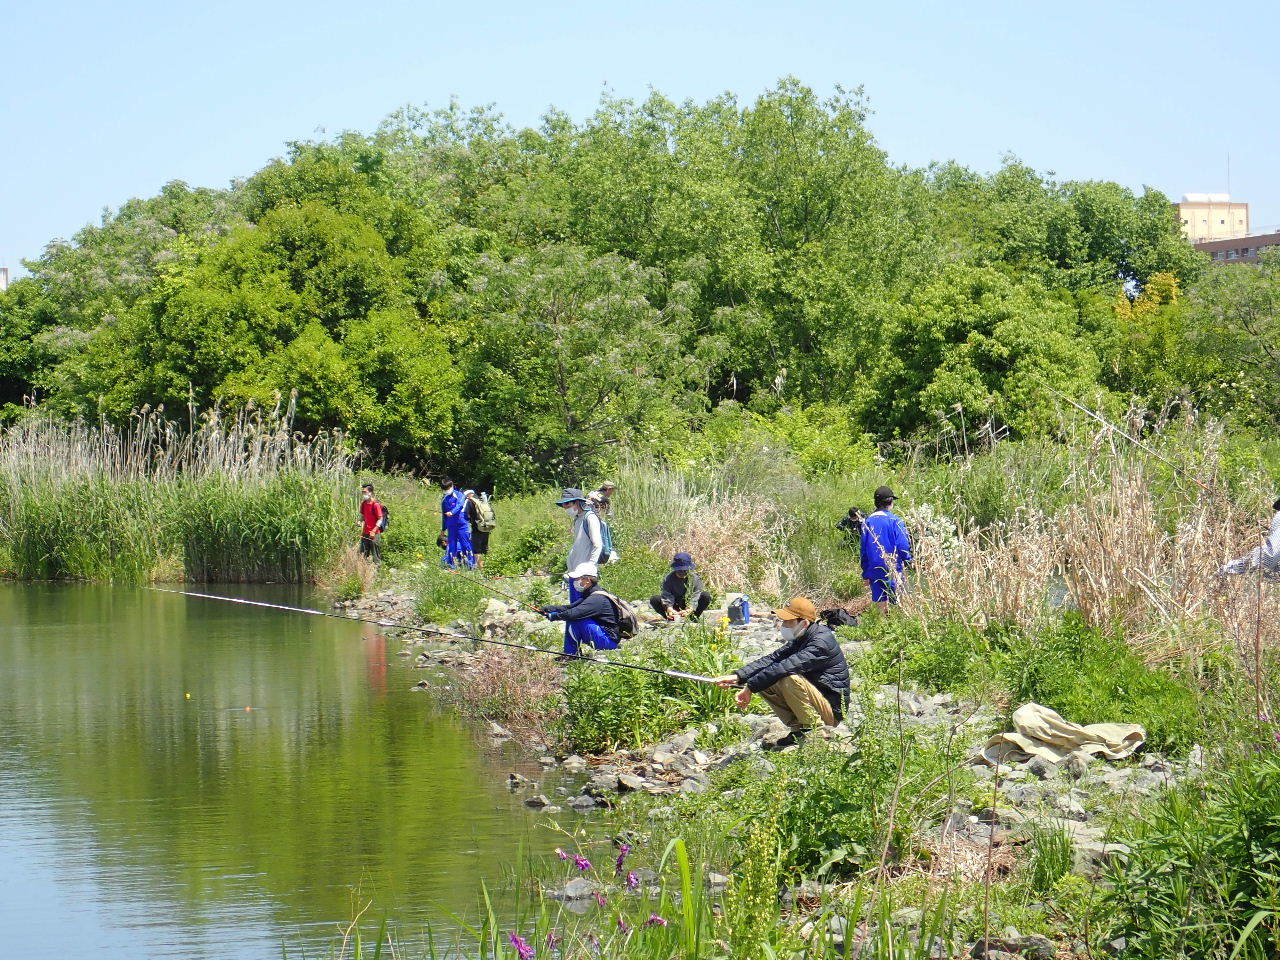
{"x":553,"y":940}
{"x":561,"y":854}
{"x":594,"y":941}
{"x":624,"y":926}
{"x":623,"y":850}
{"x":655,"y":921}
{"x":581,"y":862}
{"x":633,"y":881}
{"x":523,"y":950}
{"x":601,"y":899}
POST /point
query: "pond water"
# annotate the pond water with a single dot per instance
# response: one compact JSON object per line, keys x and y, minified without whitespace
{"x":188,"y":778}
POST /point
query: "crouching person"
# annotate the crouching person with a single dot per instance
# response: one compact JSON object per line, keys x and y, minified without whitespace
{"x":681,"y":590}
{"x":805,"y":681}
{"x":591,"y":619}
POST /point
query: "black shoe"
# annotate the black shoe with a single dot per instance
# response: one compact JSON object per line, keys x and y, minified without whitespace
{"x":792,"y":739}
{"x":567,"y":658}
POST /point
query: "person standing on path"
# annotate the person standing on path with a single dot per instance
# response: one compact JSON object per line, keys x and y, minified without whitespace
{"x":453,"y":520}
{"x":481,"y":519}
{"x":1266,"y":556}
{"x":681,"y":589}
{"x":886,"y":550}
{"x":805,"y":681}
{"x":371,"y":514}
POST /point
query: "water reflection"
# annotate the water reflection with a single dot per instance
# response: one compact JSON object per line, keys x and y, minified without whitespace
{"x":188,"y":778}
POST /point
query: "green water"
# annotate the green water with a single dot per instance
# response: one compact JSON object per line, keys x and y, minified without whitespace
{"x":137,"y":822}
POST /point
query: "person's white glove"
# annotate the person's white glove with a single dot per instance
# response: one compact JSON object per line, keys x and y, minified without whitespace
{"x":613,"y":557}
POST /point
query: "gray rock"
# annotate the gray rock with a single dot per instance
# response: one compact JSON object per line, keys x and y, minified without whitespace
{"x":629,"y":781}
{"x":499,"y":732}
{"x":1041,"y":768}
{"x":554,"y":808}
{"x":692,"y":786}
{"x":958,"y":818}
{"x":582,"y":802}
{"x":1036,"y":947}
{"x":717,"y":881}
{"x":537,"y":800}
{"x":578,"y":888}
{"x":516,"y":780}
{"x":602,"y":784}
{"x":574,"y":764}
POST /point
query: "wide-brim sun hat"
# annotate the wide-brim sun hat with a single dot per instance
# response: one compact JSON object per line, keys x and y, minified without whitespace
{"x":682,"y":561}
{"x":587,"y":569}
{"x":798,"y":608}
{"x":571,"y":495}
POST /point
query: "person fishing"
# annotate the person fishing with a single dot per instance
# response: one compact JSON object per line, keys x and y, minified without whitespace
{"x":591,"y":619}
{"x":372,"y":514}
{"x":681,"y":589}
{"x":1266,"y":556}
{"x":886,"y":550}
{"x":805,"y":681}
{"x":453,"y":521}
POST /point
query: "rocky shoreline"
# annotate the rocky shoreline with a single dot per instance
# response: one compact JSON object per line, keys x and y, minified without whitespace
{"x":1024,"y":798}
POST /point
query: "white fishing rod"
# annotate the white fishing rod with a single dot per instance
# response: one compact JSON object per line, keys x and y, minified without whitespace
{"x":432,"y":631}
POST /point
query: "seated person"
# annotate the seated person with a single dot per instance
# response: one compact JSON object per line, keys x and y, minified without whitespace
{"x":805,"y":681}
{"x":681,"y":588}
{"x":590,"y":619}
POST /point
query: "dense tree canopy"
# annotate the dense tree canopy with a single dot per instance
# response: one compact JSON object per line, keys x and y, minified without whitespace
{"x":520,"y":304}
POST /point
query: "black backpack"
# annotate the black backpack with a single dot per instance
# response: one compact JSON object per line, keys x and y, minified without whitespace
{"x":386,"y":517}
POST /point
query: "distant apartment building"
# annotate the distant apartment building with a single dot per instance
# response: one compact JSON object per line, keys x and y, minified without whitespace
{"x":1212,"y":216}
{"x":1239,"y":249}
{"x":4,"y":279}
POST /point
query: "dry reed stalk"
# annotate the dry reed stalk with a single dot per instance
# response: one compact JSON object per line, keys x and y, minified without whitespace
{"x":512,"y":688}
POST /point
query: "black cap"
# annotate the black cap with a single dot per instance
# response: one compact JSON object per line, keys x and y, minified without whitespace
{"x":884,"y":494}
{"x":1276,"y":506}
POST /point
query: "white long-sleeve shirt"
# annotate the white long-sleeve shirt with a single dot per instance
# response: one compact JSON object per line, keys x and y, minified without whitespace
{"x":588,"y":543}
{"x":1266,"y":556}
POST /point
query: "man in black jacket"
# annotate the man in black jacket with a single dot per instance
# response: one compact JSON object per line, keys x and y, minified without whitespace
{"x":681,"y":589}
{"x":805,"y":681}
{"x":591,"y":619}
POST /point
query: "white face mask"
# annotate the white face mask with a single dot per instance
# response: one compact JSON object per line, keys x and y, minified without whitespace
{"x":582,"y":585}
{"x":791,"y":633}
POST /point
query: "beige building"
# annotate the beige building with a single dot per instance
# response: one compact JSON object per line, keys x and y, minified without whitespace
{"x":1239,"y":249}
{"x":1212,"y":216}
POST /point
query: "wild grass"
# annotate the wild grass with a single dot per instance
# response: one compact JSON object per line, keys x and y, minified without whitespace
{"x":225,"y":497}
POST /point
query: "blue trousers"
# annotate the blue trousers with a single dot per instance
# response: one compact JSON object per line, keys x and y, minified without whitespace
{"x":459,"y":546}
{"x":587,"y":632}
{"x":884,"y":585}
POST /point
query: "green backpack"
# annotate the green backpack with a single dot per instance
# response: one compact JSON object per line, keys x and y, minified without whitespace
{"x":486,"y":519}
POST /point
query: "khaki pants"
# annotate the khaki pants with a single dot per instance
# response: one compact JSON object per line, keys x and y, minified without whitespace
{"x":799,"y":704}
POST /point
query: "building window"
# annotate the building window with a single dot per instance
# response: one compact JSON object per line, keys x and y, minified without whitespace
{"x":1223,"y":222}
{"x":1231,"y":254}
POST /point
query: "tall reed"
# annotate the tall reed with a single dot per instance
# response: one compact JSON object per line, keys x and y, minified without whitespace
{"x":222,"y":497}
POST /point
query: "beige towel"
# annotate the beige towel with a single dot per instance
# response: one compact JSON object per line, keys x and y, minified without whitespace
{"x":1039,"y":732}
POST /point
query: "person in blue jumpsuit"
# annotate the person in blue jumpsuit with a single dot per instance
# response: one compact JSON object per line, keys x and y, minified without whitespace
{"x":886,"y":550}
{"x":590,"y":620}
{"x":453,"y":520}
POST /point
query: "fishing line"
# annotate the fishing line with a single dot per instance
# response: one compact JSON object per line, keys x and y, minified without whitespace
{"x":391,"y":624}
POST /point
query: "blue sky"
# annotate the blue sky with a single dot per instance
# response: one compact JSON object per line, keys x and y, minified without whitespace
{"x":101,"y":102}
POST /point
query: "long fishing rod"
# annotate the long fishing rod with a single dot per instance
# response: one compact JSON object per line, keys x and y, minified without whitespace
{"x":1181,"y":471}
{"x":485,"y":585}
{"x":431,"y":631}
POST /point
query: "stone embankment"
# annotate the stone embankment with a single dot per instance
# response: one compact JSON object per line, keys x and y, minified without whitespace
{"x":1023,"y":798}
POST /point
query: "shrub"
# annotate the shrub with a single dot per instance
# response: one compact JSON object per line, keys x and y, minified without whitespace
{"x":1090,"y":676}
{"x":1203,"y":875}
{"x":536,"y":548}
{"x":607,"y":707}
{"x":443,"y":596}
{"x":840,"y":805}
